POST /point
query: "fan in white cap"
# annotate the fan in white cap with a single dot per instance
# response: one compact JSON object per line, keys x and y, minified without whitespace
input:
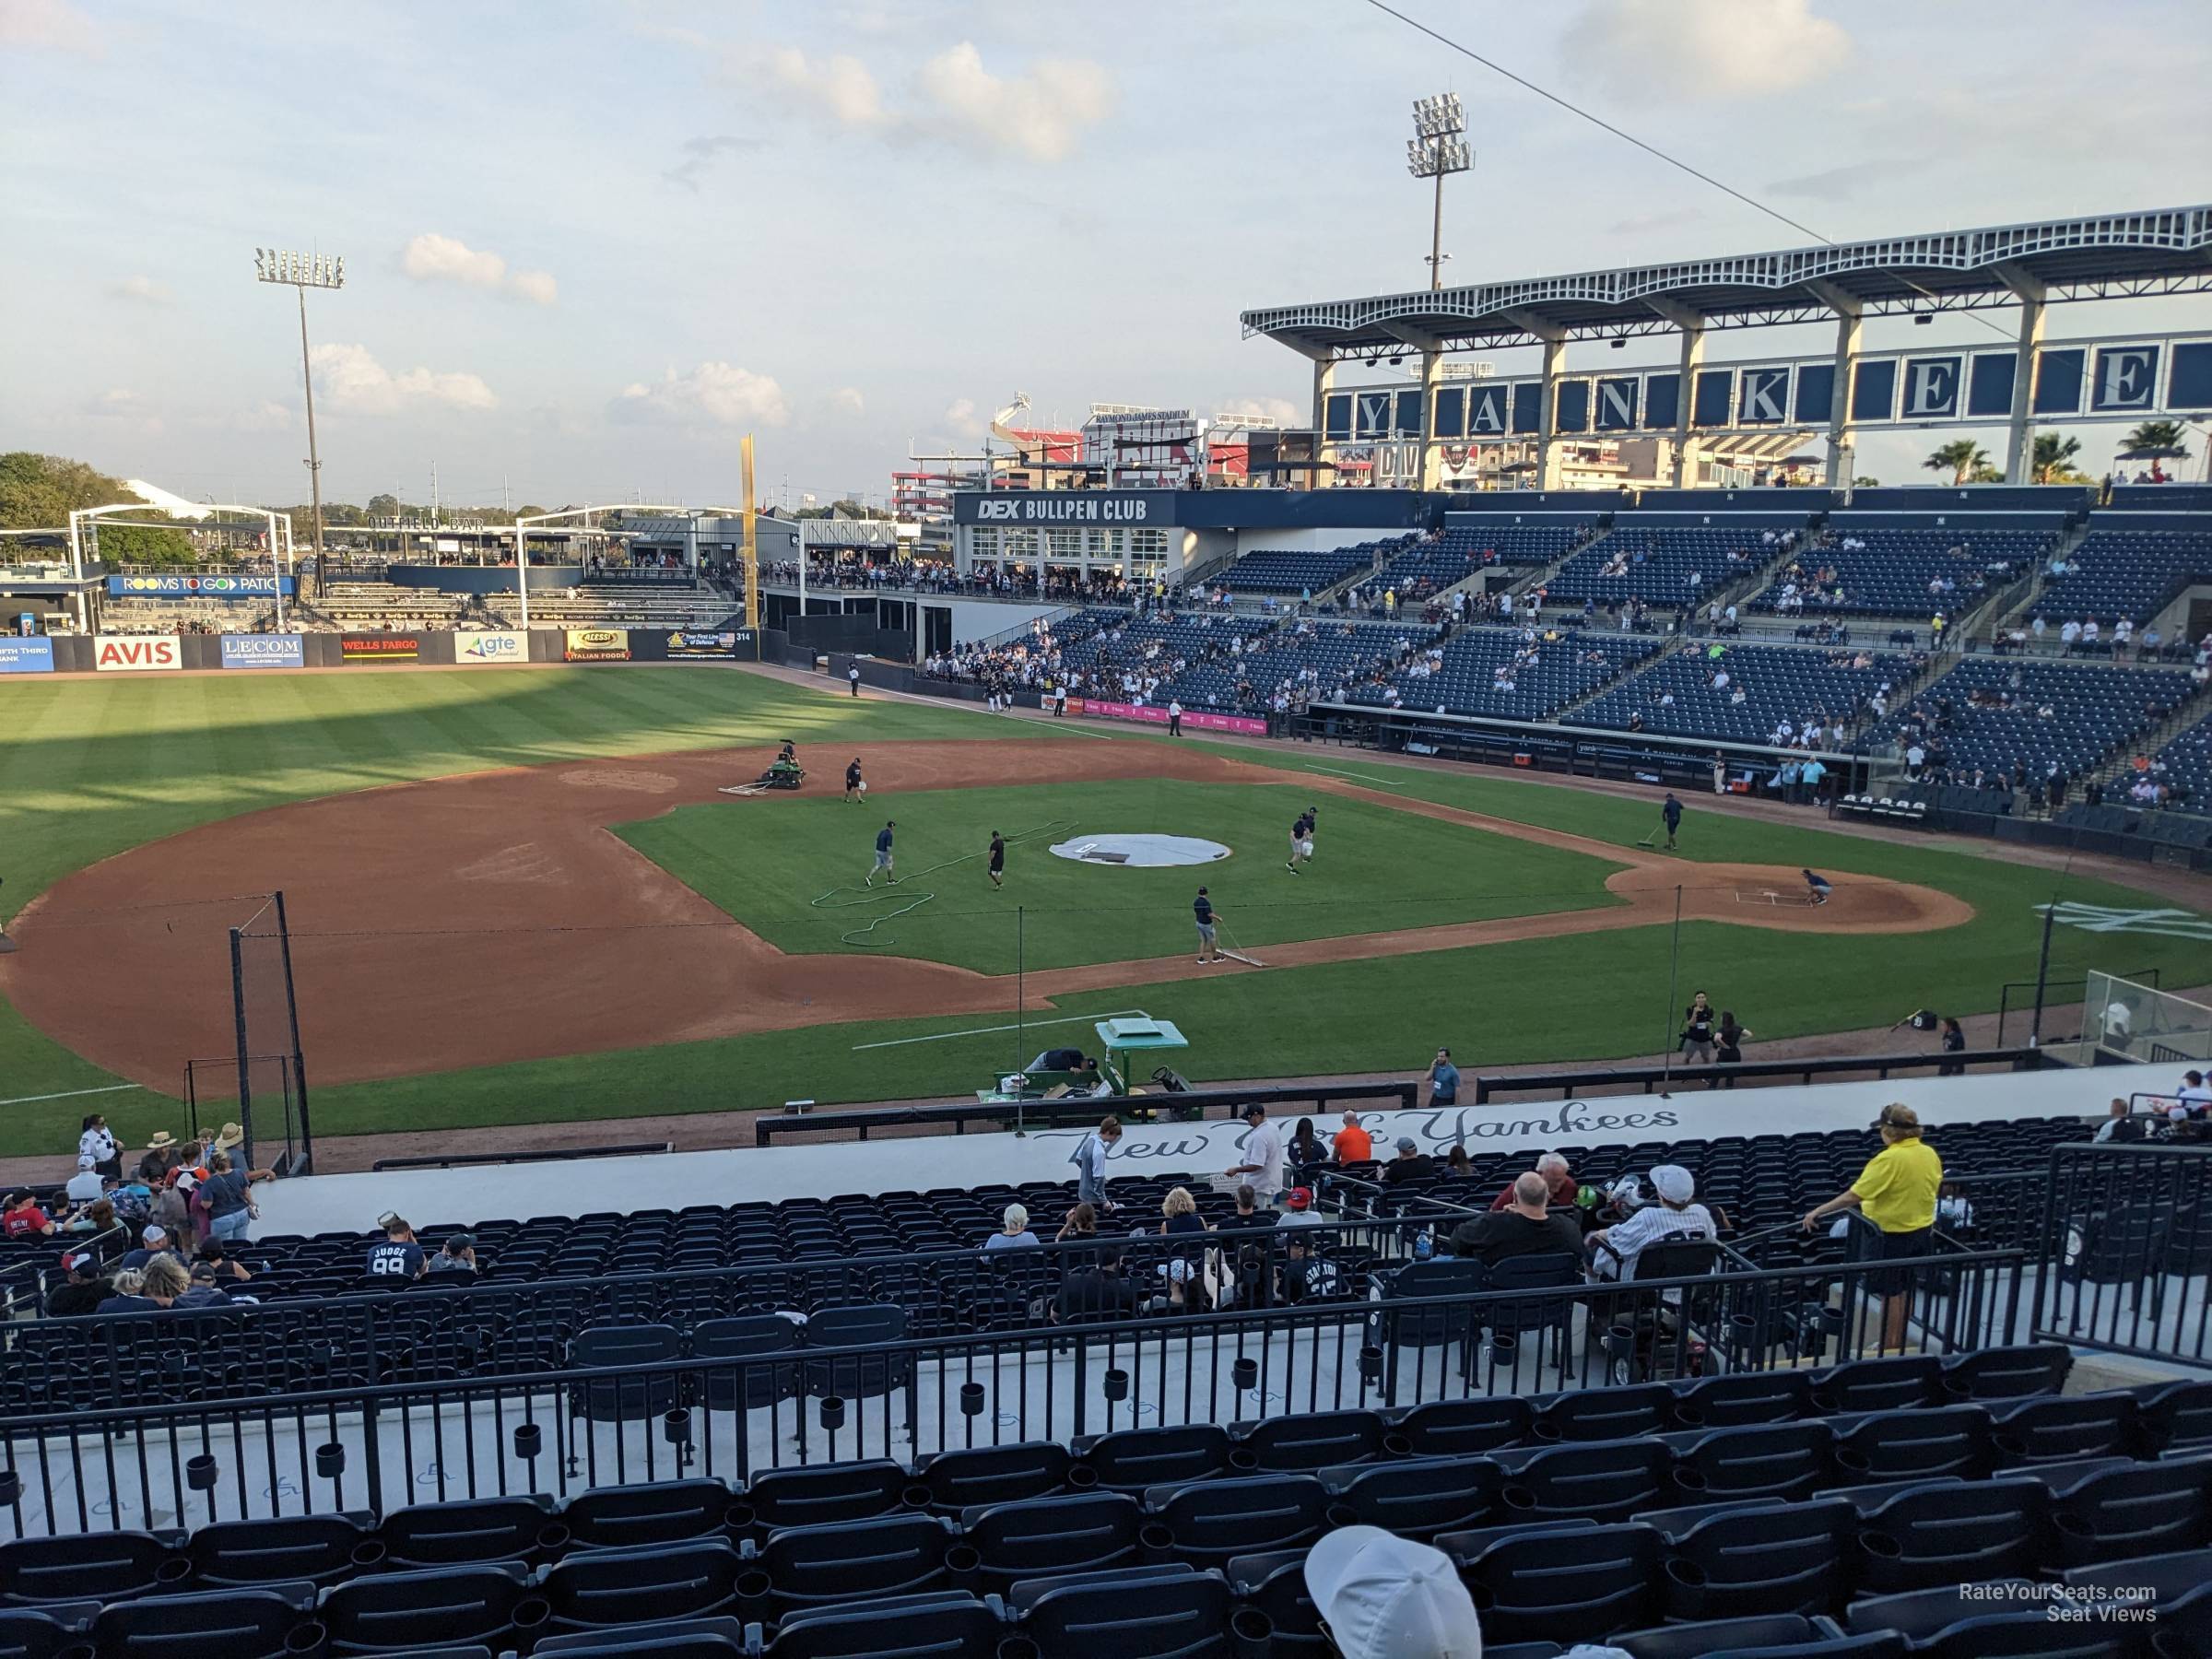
{"x":1387,"y":1597}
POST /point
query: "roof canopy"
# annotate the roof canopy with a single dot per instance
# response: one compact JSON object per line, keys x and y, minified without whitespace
{"x":2112,"y":256}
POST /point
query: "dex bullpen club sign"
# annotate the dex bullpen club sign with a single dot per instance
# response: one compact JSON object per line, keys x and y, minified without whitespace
{"x":597,"y":645}
{"x":379,"y":648}
{"x":135,"y":653}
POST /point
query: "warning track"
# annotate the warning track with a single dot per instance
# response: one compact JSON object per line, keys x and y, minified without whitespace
{"x":493,"y":918}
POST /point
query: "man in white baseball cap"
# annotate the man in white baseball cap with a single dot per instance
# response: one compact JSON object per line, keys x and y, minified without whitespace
{"x":1386,"y":1597}
{"x":1676,"y":1215}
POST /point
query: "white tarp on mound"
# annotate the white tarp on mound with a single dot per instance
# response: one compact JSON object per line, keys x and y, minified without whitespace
{"x":448,"y":1197}
{"x":1141,"y":851}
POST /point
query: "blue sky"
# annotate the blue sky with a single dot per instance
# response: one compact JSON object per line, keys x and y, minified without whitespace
{"x":588,"y":244}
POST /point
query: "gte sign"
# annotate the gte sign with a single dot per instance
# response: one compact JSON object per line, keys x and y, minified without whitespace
{"x":127,"y":654}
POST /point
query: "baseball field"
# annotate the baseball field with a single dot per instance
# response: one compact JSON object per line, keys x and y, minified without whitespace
{"x":521,"y":896}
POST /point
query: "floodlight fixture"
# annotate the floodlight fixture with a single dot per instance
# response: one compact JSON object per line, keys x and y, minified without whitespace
{"x":289,"y":267}
{"x":1438,"y":148}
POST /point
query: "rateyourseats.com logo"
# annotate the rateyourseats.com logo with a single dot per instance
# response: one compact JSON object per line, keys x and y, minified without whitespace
{"x":2107,"y":919}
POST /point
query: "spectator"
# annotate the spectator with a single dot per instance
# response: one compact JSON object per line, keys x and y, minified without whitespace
{"x":1306,"y":1154}
{"x":171,"y":1210}
{"x":159,"y":1158}
{"x":227,"y":1268}
{"x":1180,"y":1212}
{"x":399,"y":1256}
{"x":85,"y":1290}
{"x":1381,"y":1596}
{"x":1897,"y":1192}
{"x":1352,"y":1143}
{"x":23,"y":1218}
{"x":1094,"y":1292}
{"x":225,"y":1196}
{"x":204,"y":1290}
{"x":1457,"y":1163}
{"x":1444,"y":1080}
{"x":152,"y":1242}
{"x":1263,"y":1152}
{"x":1090,"y":1164}
{"x":1676,"y":1216}
{"x":1410,"y":1164}
{"x":97,"y":1142}
{"x":1954,"y":1042}
{"x":1250,"y":1217}
{"x":2118,"y":1126}
{"x":1697,"y":1031}
{"x":457,"y":1254}
{"x":1559,"y":1184}
{"x":86,"y":1184}
{"x":1523,"y":1225}
{"x":2195,"y":1093}
{"x":96,"y":1218}
{"x":164,"y":1279}
{"x":1297,"y":1208}
{"x":1014,"y":1229}
{"x":1728,"y":1039}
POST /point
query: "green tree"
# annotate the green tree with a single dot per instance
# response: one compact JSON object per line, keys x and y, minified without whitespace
{"x":39,"y":492}
{"x":384,"y":506}
{"x":1865,"y":481}
{"x":2053,"y":459}
{"x":1985,"y":474}
{"x":2158,"y":435}
{"x":145,"y":545}
{"x":1960,"y":459}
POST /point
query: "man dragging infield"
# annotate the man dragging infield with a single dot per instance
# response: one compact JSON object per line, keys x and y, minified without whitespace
{"x":883,"y":854}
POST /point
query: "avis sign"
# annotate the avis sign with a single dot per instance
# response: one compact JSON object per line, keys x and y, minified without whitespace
{"x":135,"y":653}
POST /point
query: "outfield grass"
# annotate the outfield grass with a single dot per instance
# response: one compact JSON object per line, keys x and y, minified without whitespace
{"x":1376,"y":870}
{"x":90,"y":766}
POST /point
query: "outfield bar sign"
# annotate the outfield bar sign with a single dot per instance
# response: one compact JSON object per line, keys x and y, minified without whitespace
{"x":264,"y":651}
{"x":479,"y":647}
{"x":199,"y":587}
{"x":135,"y":653}
{"x":692,"y":646}
{"x":598,"y":646}
{"x":26,"y":656}
{"x":1240,"y":724}
{"x":379,"y":648}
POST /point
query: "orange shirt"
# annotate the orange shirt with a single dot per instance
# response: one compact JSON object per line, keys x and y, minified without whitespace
{"x":1353,"y":1145}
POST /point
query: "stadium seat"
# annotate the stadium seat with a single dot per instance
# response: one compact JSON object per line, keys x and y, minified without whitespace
{"x":1570,"y":1582}
{"x":317,"y":1549}
{"x":1604,"y":1480}
{"x":212,"y":1623}
{"x":1420,"y":1497}
{"x":1784,"y":1461}
{"x":1596,"y":1414}
{"x":472,"y":1530}
{"x":2134,"y":1509}
{"x":2055,"y":1429}
{"x":748,"y":1338}
{"x":669,"y":1639}
{"x":847,"y":1561}
{"x":609,"y":1589}
{"x":949,"y":1625}
{"x":624,"y":1399}
{"x":1173,"y":1613}
{"x":2007,"y":1373}
{"x":1953,"y":1534}
{"x":1461,"y":1428}
{"x":662,"y":1512}
{"x":415,"y":1612}
{"x":102,"y":1566}
{"x":823,"y":1495}
{"x":1775,"y":1633}
{"x":1042,"y":1537}
{"x":973,"y":1477}
{"x":1756,"y":1558}
{"x":1210,"y":1522}
{"x":1735,"y":1399}
{"x":1305,"y":1440}
{"x":1134,"y":1460}
{"x":1916,"y":1445}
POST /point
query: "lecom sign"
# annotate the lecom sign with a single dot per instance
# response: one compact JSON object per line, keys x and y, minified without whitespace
{"x":135,"y":653}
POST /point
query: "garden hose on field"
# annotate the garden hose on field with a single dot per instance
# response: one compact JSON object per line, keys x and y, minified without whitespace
{"x":859,"y":936}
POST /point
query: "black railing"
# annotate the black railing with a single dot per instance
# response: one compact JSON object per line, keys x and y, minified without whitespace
{"x":1647,"y":1078}
{"x":562,"y":1431}
{"x":456,"y":1160}
{"x":1044,"y":1114}
{"x":2126,"y":1248}
{"x":2059,"y":977}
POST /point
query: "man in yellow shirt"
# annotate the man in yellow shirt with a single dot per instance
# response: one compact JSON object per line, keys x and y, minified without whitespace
{"x":1897,"y":1191}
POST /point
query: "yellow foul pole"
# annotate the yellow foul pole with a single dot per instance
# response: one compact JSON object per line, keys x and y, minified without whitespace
{"x":752,"y":547}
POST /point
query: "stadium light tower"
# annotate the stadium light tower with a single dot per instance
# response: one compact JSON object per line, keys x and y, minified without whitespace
{"x":301,"y":272}
{"x":1438,"y":147}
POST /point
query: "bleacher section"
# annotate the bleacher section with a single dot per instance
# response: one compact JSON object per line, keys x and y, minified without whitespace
{"x":1652,"y":558}
{"x":2184,"y":766}
{"x":1315,"y":665}
{"x":1281,"y":571}
{"x":1885,"y":569}
{"x":1540,"y":679}
{"x":1462,"y":550}
{"x":1766,"y":685}
{"x":1116,"y":642}
{"x":1995,"y":715}
{"x":2130,"y":565}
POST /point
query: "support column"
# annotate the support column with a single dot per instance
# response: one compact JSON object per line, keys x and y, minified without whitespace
{"x":1430,"y":473}
{"x":1325,"y":382}
{"x":2020,"y":431}
{"x":1554,"y":340}
{"x":1849,"y":330}
{"x":1685,"y":390}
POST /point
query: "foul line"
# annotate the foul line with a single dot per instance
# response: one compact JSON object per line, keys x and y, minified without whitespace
{"x":1362,"y":777}
{"x":987,"y":1030}
{"x":71,"y":1094}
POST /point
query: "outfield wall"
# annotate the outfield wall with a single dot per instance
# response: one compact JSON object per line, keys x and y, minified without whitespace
{"x":438,"y":648}
{"x":822,"y":1170}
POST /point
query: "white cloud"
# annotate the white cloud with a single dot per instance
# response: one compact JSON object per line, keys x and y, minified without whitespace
{"x":1652,"y":51}
{"x":145,"y":290}
{"x":960,"y":416}
{"x":54,"y":24}
{"x":351,"y":378}
{"x":699,"y":157}
{"x":1280,"y":410}
{"x":434,"y":258}
{"x":713,"y":394}
{"x":847,"y":400}
{"x":1038,"y":114}
{"x":128,"y":408}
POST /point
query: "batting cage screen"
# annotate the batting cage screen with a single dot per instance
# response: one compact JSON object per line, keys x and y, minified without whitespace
{"x":2141,"y":1022}
{"x":272,"y":1072}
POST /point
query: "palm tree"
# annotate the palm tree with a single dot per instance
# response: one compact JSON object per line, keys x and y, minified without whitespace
{"x":1959,"y":459}
{"x":2158,"y":435}
{"x":2053,"y":462}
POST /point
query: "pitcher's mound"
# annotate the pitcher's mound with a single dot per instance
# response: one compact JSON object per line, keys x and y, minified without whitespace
{"x":1771,"y":896}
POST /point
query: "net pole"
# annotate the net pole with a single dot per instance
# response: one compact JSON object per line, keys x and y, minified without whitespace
{"x":238,"y":1012}
{"x":306,"y":1156}
{"x":1674,"y":965}
{"x":2043,"y":975}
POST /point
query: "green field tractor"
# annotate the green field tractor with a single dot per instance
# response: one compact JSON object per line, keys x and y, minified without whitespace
{"x":1124,"y":1046}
